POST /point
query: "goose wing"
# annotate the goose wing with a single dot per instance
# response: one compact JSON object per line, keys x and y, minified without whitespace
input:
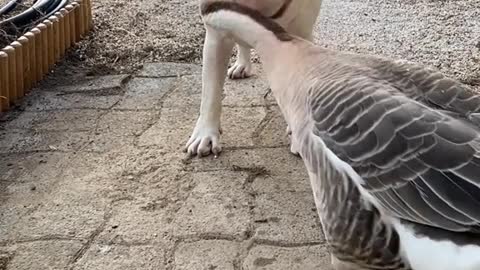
{"x":426,"y":85}
{"x":418,"y":163}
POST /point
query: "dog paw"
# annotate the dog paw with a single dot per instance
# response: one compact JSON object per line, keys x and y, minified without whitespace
{"x":240,"y":71}
{"x":203,"y":142}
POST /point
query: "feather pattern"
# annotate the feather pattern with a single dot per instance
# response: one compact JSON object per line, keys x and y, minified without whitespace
{"x":408,"y":134}
{"x":392,"y":149}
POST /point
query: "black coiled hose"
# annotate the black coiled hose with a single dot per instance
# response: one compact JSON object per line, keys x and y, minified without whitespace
{"x":11,"y":5}
{"x":41,"y":10}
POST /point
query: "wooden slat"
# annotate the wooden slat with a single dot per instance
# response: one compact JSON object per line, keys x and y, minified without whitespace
{"x":4,"y":82}
{"x":26,"y":63}
{"x":12,"y":74}
{"x":28,"y":59}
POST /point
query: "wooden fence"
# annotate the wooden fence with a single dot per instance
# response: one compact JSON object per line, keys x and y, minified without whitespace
{"x":27,"y":60}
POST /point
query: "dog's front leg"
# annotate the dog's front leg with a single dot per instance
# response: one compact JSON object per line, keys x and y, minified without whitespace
{"x":205,"y":138}
{"x":243,"y":66}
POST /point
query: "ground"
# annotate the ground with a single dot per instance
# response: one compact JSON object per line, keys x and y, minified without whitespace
{"x":92,"y":175}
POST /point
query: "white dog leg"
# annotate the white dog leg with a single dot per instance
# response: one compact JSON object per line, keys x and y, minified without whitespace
{"x":243,"y":66}
{"x":205,"y":138}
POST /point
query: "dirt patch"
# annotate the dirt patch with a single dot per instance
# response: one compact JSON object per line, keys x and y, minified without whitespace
{"x":129,"y":33}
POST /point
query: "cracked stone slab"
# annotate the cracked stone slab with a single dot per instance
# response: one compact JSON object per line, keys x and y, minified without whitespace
{"x":167,"y":134}
{"x":45,"y":100}
{"x":20,"y":199}
{"x":102,"y":143}
{"x":71,"y":120}
{"x":285,"y":211}
{"x":125,"y":123}
{"x":76,"y":213}
{"x":40,"y":255}
{"x":137,"y":221}
{"x":274,"y":132}
{"x":18,"y":141}
{"x":101,"y":257}
{"x":31,"y":167}
{"x":207,"y":254}
{"x":146,"y":93}
{"x":237,"y":93}
{"x":118,"y":129}
{"x":168,"y":69}
{"x":217,"y":205}
{"x":239,"y":126}
{"x":187,"y":94}
{"x":25,"y":182}
{"x":277,"y":161}
{"x":247,"y":92}
{"x":92,"y":84}
{"x":76,"y":206}
{"x":288,"y":258}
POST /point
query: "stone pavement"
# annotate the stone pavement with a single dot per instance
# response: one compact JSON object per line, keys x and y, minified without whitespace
{"x":93,"y":177}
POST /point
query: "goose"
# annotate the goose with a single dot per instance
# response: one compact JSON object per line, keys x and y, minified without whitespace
{"x":392,"y":148}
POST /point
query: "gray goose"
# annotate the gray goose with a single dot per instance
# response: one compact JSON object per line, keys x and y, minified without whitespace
{"x":392,"y":148}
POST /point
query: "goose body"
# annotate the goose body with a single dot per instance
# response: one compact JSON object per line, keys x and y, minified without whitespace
{"x":392,"y":148}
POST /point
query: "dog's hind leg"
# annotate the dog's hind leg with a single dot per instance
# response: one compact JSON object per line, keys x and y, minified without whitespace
{"x":243,"y":66}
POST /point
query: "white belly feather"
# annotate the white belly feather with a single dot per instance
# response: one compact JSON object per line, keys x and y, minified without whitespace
{"x":424,"y":253}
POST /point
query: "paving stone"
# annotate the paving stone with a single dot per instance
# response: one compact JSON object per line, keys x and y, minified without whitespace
{"x":168,"y":134}
{"x":125,"y":123}
{"x":274,"y":132}
{"x":187,"y":94}
{"x":239,"y":126}
{"x":277,"y":161}
{"x":44,"y":100}
{"x":137,"y":221}
{"x":29,"y":168}
{"x":118,"y":129}
{"x":83,"y":166}
{"x":74,"y":215}
{"x":215,"y":254}
{"x":168,"y":69}
{"x":282,"y":258}
{"x":104,"y":142}
{"x":17,"y":141}
{"x":247,"y":92}
{"x":142,"y":164}
{"x":101,"y":257}
{"x":237,"y":93}
{"x":25,"y":181}
{"x":41,"y":255}
{"x":217,"y":205}
{"x":146,"y":93}
{"x":10,"y":214}
{"x":285,"y":211}
{"x":72,"y":120}
{"x":77,"y":205}
{"x":92,"y":84}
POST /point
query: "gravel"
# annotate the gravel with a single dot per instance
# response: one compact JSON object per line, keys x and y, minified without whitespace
{"x":440,"y":34}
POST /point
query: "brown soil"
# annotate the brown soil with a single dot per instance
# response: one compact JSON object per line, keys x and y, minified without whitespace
{"x":129,"y":33}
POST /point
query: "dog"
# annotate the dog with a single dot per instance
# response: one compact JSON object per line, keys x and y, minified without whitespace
{"x":297,"y":16}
